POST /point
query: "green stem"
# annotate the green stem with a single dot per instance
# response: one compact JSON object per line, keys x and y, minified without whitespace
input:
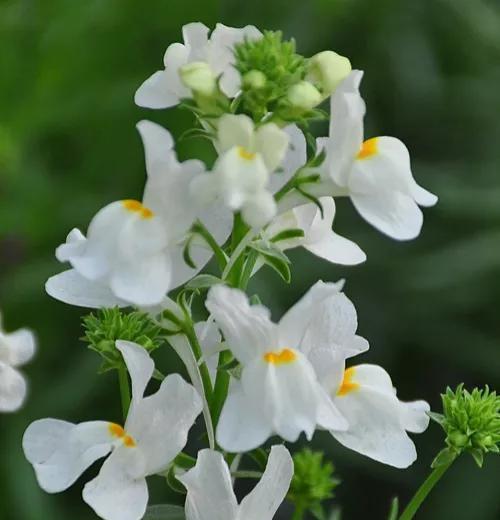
{"x":205,"y":374}
{"x":220,"y":388}
{"x":212,"y":243}
{"x":248,"y":270}
{"x":423,"y":491}
{"x":124,"y":390}
{"x":299,"y":512}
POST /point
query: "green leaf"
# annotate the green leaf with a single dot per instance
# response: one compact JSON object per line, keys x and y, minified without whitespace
{"x":445,"y":456}
{"x":186,"y":254}
{"x":164,"y":512}
{"x":394,"y":510}
{"x":478,"y":456}
{"x":203,"y":281}
{"x":436,"y":417}
{"x":173,"y":483}
{"x":282,"y":268}
{"x":288,"y":234}
{"x":274,"y":257}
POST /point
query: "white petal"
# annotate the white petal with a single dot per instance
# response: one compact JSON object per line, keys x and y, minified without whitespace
{"x":17,"y":348}
{"x":381,"y":188}
{"x":74,"y":246}
{"x":295,"y":157}
{"x":294,"y":322}
{"x":12,"y":388}
{"x":140,"y":366}
{"x":235,"y":130}
{"x":160,"y":423}
{"x":155,"y":92}
{"x":247,"y":328}
{"x":144,"y":283}
{"x":320,"y":240}
{"x":210,"y":494}
{"x":242,"y":425}
{"x":211,"y":344}
{"x":375,"y":419}
{"x":346,"y":128}
{"x":195,"y":36}
{"x":337,"y":250}
{"x":272,"y":143}
{"x":72,"y":288}
{"x":415,"y":416}
{"x":183,"y":349}
{"x":259,"y":209}
{"x":115,"y":494}
{"x":288,"y":392}
{"x":265,"y":498}
{"x":422,"y":196}
{"x":175,"y":57}
{"x":61,"y":451}
{"x":167,"y":190}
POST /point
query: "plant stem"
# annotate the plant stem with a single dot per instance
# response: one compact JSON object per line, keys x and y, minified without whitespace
{"x":124,"y":390}
{"x":298,"y":514}
{"x":220,"y":388}
{"x":423,"y":491}
{"x":205,"y":374}
{"x":210,"y":240}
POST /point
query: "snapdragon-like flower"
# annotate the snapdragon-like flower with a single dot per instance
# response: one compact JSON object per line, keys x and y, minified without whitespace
{"x":279,"y":392}
{"x":319,"y":238}
{"x":378,"y":421}
{"x":16,"y":349}
{"x":133,"y":252}
{"x":210,"y":494}
{"x":155,"y":431}
{"x":376,"y":173}
{"x":195,"y":65}
{"x":242,"y":174}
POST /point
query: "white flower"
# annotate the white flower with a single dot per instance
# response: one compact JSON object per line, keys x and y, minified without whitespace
{"x":279,"y":392}
{"x":318,"y":237}
{"x":165,"y":88}
{"x":210,"y":494}
{"x":376,"y":173}
{"x":133,"y":250}
{"x":364,"y":394}
{"x":16,"y":349}
{"x":378,"y":420}
{"x":155,"y":432}
{"x":241,"y":176}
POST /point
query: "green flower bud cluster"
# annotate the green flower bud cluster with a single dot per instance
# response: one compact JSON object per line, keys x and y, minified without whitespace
{"x":269,"y":67}
{"x":106,"y":326}
{"x":471,"y":421}
{"x":313,"y":481}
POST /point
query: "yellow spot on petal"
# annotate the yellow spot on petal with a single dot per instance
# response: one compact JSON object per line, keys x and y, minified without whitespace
{"x":245,"y":154}
{"x":129,"y":441}
{"x":368,"y":148}
{"x":348,"y":385}
{"x":279,"y":358}
{"x":116,"y":430}
{"x":137,"y":207}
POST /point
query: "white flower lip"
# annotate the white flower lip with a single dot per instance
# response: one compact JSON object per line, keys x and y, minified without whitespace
{"x":210,"y":494}
{"x":61,"y":451}
{"x":16,"y":349}
{"x":376,"y":173}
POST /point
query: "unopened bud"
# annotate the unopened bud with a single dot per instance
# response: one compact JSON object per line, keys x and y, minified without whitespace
{"x":199,"y":77}
{"x":304,"y":95}
{"x":327,"y":69}
{"x":254,"y":79}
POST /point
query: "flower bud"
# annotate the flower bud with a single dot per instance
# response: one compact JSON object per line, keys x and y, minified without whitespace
{"x":199,"y":77}
{"x":254,"y":79}
{"x":304,"y":95}
{"x":327,"y":69}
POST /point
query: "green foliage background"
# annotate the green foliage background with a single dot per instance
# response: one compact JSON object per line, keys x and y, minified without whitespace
{"x":68,"y":71}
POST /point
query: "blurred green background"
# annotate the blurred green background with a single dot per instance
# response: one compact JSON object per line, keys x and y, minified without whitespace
{"x":430,"y":308}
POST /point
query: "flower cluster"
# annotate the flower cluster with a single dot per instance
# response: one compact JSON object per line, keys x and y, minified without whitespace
{"x":272,"y":187}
